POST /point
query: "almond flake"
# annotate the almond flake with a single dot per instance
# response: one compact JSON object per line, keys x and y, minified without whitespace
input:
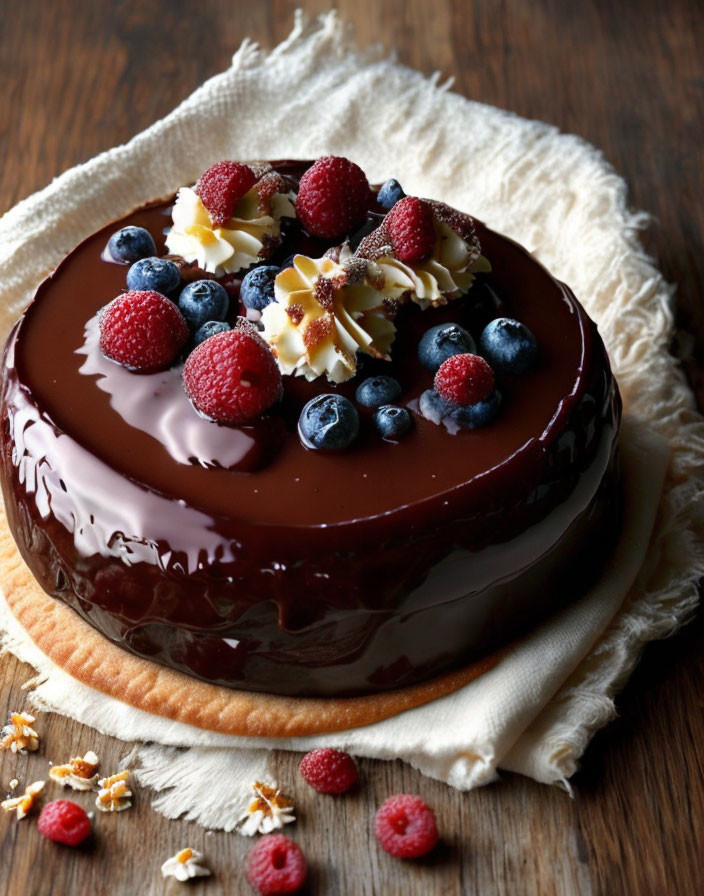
{"x":18,"y":735}
{"x":185,"y":865}
{"x":79,"y":773}
{"x":269,"y":811}
{"x":23,"y":804}
{"x":114,"y":794}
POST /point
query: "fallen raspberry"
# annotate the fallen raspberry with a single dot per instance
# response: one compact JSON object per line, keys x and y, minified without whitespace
{"x":142,"y":330}
{"x":410,"y":227}
{"x":464,"y":380}
{"x":333,"y":197}
{"x":232,"y":377}
{"x":328,"y":770}
{"x":222,"y":186}
{"x":276,"y":865}
{"x":64,"y":822}
{"x":405,"y":826}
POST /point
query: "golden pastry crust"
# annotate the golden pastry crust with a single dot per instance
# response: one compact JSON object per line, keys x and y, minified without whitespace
{"x":92,"y":659}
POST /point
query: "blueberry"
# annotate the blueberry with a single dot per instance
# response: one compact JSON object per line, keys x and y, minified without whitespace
{"x":131,"y":243}
{"x":509,"y":346}
{"x":377,"y":390}
{"x":475,"y":415}
{"x":390,"y":193}
{"x":202,"y":301}
{"x":158,"y":274}
{"x":392,"y":422}
{"x":207,"y":330}
{"x":442,"y":342}
{"x":258,"y":287}
{"x":328,"y":422}
{"x":436,"y":409}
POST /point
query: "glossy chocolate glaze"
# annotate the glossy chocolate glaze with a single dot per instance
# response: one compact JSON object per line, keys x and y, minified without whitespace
{"x":243,"y":558}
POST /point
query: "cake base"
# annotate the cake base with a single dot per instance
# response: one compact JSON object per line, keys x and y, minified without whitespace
{"x":89,"y":657}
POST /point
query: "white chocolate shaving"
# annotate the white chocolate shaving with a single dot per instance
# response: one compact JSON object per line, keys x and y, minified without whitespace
{"x":114,"y":794}
{"x":23,"y":804}
{"x":80,"y":773}
{"x":18,"y":735}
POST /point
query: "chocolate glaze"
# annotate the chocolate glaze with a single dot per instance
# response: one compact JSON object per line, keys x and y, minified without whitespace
{"x":243,"y":558}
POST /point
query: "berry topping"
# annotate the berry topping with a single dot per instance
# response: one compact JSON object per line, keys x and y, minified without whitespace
{"x":377,"y":390}
{"x":509,"y":346}
{"x":411,"y":230}
{"x":441,"y":342}
{"x":131,"y":243}
{"x":328,"y":422}
{"x":203,"y":300}
{"x":232,"y":377}
{"x":222,"y":186}
{"x":143,"y":331}
{"x":333,"y":197}
{"x":64,"y":822}
{"x":454,"y":417}
{"x":328,"y":770}
{"x":258,"y":287}
{"x":476,"y":415}
{"x":389,"y":194}
{"x":158,"y":274}
{"x":405,"y":826}
{"x":464,"y":380}
{"x":392,"y":422}
{"x":209,"y":329}
{"x":276,"y":865}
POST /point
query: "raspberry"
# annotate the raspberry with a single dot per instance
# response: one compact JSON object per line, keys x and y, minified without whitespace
{"x":405,"y":826}
{"x":333,"y":197}
{"x":142,"y":330}
{"x":222,"y":186}
{"x":464,"y":380}
{"x":232,"y":377}
{"x":411,"y":229}
{"x":64,"y":822}
{"x":276,"y":865}
{"x":328,"y":770}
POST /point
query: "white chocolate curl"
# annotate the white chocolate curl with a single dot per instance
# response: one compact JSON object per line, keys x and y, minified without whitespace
{"x":225,"y":250}
{"x":323,"y":316}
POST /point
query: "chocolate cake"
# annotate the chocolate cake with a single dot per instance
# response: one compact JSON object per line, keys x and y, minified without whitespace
{"x":253,"y":552}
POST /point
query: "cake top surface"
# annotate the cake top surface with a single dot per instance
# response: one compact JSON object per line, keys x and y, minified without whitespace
{"x":144,"y":426}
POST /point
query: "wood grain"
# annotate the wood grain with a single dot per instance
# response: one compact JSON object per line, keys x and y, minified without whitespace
{"x":80,"y":77}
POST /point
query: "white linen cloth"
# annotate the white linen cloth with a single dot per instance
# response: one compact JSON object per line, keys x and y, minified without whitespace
{"x":316,"y":94}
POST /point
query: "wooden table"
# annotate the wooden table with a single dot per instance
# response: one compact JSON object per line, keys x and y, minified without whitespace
{"x":80,"y":77}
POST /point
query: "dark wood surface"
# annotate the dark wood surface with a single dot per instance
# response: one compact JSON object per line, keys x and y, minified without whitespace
{"x":83,"y":76}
